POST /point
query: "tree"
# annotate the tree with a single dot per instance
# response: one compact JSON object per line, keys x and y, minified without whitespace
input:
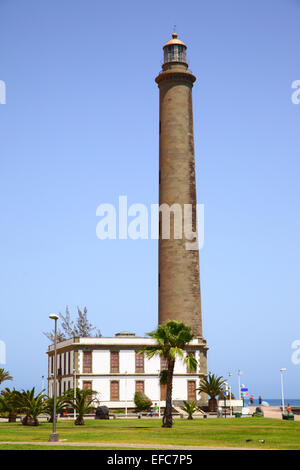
{"x":213,"y":387}
{"x":142,"y":402}
{"x":82,"y":327}
{"x":61,"y":406}
{"x":8,"y":404}
{"x":172,"y":337}
{"x":82,"y":403}
{"x":4,"y":375}
{"x":30,"y":404}
{"x":189,"y":407}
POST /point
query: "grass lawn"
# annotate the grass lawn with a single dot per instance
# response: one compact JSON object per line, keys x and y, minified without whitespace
{"x":45,"y":447}
{"x":278,"y":434}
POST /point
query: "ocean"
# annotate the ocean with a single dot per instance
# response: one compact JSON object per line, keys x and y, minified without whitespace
{"x":276,"y":401}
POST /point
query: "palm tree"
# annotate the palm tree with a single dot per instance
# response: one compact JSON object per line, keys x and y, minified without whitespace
{"x":8,"y":404}
{"x":212,"y":386}
{"x":189,"y":407}
{"x":30,"y":404}
{"x":82,"y":403}
{"x":4,"y":375}
{"x":61,"y":406}
{"x":172,"y":338}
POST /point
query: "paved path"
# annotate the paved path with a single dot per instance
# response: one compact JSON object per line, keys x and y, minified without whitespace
{"x":272,"y":412}
{"x":121,"y":444}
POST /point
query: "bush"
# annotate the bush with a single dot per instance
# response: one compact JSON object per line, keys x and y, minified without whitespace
{"x":142,"y":402}
{"x":119,"y":411}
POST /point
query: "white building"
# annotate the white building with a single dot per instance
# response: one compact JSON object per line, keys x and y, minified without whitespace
{"x":112,"y":367}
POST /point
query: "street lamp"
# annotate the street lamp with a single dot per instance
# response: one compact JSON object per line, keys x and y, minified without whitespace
{"x":229,"y":383}
{"x":282,"y":396}
{"x":54,"y":436}
{"x":126,"y":393}
{"x":239,"y":378}
{"x":74,"y":371}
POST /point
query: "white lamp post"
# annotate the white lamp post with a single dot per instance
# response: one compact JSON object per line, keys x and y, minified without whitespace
{"x":239,"y":379}
{"x":74,"y":371}
{"x":54,"y":436}
{"x":125,"y":392}
{"x":282,"y":395}
{"x":230,"y":375}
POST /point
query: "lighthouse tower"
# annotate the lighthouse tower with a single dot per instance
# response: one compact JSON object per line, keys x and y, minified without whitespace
{"x":179,"y":276}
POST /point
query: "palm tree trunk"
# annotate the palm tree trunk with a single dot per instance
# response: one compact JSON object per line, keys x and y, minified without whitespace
{"x":12,"y":417}
{"x":79,"y":421}
{"x":212,"y":404}
{"x":167,"y":418}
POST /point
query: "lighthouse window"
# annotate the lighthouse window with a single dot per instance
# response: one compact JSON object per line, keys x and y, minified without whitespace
{"x":181,"y":57}
{"x":176,"y":53}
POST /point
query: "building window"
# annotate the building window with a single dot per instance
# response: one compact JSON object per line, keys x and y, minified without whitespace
{"x":139,"y":362}
{"x":139,"y":386}
{"x":58,"y":361}
{"x":163,"y":392}
{"x":87,"y":385}
{"x":87,"y":362}
{"x":191,"y":389}
{"x":114,"y":390}
{"x":114,"y":361}
{"x":163,"y":363}
{"x":191,"y":371}
{"x":69,"y":362}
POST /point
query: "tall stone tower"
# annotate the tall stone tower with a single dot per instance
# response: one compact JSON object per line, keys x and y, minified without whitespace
{"x":179,"y":276}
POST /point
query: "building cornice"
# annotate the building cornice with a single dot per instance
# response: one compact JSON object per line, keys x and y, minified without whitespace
{"x":114,"y":343}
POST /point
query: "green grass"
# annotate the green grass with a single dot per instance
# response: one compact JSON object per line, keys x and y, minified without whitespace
{"x":278,"y":434}
{"x":66,"y":447}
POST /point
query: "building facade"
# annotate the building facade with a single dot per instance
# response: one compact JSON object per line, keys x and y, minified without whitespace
{"x":114,"y":369}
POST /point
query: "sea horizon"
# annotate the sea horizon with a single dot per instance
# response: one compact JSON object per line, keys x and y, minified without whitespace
{"x":276,"y":401}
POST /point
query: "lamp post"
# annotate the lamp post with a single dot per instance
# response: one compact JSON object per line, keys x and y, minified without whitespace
{"x":125,"y":392}
{"x":54,"y":437}
{"x":225,"y":395}
{"x":283,"y":369}
{"x":229,"y":383}
{"x":239,"y":379}
{"x":74,"y":371}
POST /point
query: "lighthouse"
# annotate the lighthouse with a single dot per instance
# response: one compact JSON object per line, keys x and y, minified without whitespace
{"x":179,"y":295}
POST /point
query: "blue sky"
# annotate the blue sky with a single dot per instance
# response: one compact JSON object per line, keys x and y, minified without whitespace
{"x":80,"y":127}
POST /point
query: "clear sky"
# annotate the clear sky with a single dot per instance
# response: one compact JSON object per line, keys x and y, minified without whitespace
{"x":80,"y":127}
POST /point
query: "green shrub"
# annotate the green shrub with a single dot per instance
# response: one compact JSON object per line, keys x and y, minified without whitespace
{"x":142,"y":402}
{"x":119,"y":411}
